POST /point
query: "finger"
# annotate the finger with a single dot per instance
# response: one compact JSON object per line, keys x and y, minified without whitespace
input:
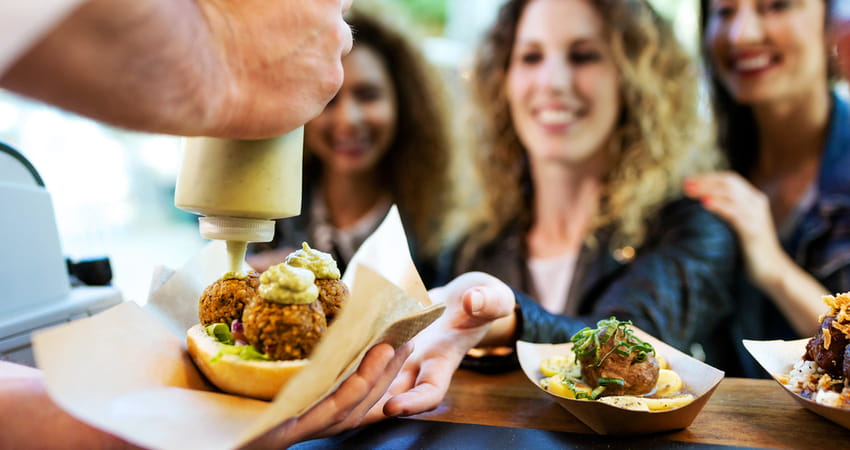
{"x":727,"y":209}
{"x":377,"y":392}
{"x":403,"y":382}
{"x":486,"y":303}
{"x":351,"y":392}
{"x":379,"y":395}
{"x":707,"y":184}
{"x":430,"y":388}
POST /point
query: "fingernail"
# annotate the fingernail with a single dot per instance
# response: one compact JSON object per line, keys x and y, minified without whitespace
{"x":476,"y":301}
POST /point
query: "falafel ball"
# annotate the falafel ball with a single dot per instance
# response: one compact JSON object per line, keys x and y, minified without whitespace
{"x":225,"y":299}
{"x":283,"y":331}
{"x":332,"y":294}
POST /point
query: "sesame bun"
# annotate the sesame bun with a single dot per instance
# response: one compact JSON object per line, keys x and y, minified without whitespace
{"x":252,"y":378}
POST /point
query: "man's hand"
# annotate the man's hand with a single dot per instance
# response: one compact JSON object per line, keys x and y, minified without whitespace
{"x":284,"y":59}
{"x":223,"y":68}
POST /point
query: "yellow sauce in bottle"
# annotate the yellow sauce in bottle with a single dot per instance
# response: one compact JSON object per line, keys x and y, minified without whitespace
{"x":239,"y":178}
{"x":240,"y":187}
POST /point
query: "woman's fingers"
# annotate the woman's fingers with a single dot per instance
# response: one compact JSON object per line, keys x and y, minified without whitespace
{"x":432,"y":382}
{"x":377,"y":395}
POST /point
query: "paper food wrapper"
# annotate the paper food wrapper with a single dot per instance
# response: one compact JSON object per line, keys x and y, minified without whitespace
{"x":698,"y":378}
{"x":777,"y":358}
{"x":127,"y":371}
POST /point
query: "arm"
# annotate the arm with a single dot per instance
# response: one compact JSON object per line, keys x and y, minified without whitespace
{"x":674,"y":289}
{"x":746,"y":209}
{"x":242,"y":69}
{"x":37,"y":422}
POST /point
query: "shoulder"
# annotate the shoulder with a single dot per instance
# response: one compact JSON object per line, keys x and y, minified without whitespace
{"x":686,"y":212}
{"x":683,"y":221}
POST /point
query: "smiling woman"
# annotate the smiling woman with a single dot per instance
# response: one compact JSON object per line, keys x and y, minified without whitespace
{"x":587,"y":123}
{"x":783,"y":127}
{"x":382,"y":139}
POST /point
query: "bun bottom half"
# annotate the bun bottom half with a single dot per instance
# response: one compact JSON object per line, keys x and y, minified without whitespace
{"x":252,"y":378}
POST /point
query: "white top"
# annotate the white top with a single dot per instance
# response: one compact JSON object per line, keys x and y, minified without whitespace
{"x":24,"y":22}
{"x":552,"y":278}
{"x":347,"y":240}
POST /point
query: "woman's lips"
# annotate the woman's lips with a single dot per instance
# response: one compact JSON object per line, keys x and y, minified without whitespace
{"x":752,"y":65}
{"x":556,"y":120}
{"x":351,"y":148}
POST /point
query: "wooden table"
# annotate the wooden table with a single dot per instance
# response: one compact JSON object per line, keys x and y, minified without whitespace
{"x":741,"y":412}
{"x":509,"y":412}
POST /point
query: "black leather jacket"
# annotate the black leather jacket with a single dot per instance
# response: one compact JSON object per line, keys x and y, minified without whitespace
{"x":677,"y":287}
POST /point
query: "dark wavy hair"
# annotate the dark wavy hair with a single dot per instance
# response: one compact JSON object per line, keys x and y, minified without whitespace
{"x":737,"y":131}
{"x":416,"y":168}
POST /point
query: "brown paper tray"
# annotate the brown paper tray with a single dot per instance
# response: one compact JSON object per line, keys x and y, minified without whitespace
{"x":777,"y":358}
{"x":698,"y":378}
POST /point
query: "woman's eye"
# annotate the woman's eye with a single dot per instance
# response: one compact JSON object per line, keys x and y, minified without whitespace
{"x":530,"y":57}
{"x":368,"y":93}
{"x":777,"y":5}
{"x":584,"y":57}
{"x":724,"y":12}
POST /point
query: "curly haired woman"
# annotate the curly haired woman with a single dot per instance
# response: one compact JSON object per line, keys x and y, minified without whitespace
{"x":589,"y":124}
{"x":383,"y":139}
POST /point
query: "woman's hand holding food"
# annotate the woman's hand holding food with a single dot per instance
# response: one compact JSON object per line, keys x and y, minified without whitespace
{"x":747,"y":210}
{"x":347,"y":406}
{"x":479,"y":310}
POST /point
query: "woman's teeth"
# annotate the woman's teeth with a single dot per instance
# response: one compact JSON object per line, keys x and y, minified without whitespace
{"x":754,"y":63}
{"x":552,"y":117}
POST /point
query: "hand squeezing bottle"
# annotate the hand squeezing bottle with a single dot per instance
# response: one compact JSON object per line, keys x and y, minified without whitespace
{"x":239,"y":187}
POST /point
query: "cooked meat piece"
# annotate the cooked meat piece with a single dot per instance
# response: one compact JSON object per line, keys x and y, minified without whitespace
{"x":283,"y":331}
{"x":224,"y":300}
{"x":332,"y":294}
{"x":830,"y":359}
{"x":638,"y":377}
{"x":847,"y":362}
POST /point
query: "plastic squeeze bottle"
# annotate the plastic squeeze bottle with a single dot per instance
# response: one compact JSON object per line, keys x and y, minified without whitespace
{"x":239,"y":187}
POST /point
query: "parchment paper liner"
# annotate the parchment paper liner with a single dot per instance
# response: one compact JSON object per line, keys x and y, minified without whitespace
{"x":777,"y":358}
{"x":699,"y":378}
{"x":126,"y":370}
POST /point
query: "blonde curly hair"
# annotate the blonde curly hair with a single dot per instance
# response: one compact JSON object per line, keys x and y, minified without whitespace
{"x":660,"y":139}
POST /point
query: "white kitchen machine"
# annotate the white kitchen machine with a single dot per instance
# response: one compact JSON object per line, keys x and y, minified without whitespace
{"x":35,"y":288}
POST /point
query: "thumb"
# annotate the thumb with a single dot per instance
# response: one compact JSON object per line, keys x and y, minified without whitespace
{"x":486,"y":303}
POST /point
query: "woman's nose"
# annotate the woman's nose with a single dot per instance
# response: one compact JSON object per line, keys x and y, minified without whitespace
{"x":556,"y":75}
{"x":746,"y":27}
{"x":347,"y":112}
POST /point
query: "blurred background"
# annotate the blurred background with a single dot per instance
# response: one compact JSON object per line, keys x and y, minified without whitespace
{"x":113,"y":189}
